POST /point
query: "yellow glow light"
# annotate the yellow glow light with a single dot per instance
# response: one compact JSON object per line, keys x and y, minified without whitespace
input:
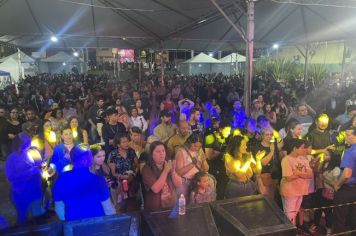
{"x":226,"y":131}
{"x":67,"y":168}
{"x":45,"y":175}
{"x":260,"y":155}
{"x":276,"y":136}
{"x":52,"y":137}
{"x":340,"y":138}
{"x":237,"y":132}
{"x":321,"y":157}
{"x":220,"y":139}
{"x":34,"y":155}
{"x":36,"y":142}
{"x":323,"y":119}
{"x":237,"y":165}
{"x":74,"y":133}
{"x":209,"y":139}
{"x":245,"y":167}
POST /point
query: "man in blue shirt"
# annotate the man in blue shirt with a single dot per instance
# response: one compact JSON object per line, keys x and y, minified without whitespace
{"x":80,"y":194}
{"x":346,"y":186}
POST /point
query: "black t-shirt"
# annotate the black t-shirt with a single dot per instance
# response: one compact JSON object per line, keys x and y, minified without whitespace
{"x":319,"y":140}
{"x":96,"y":114}
{"x":259,"y":147}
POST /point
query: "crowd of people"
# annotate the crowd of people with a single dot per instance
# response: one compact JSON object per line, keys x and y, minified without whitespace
{"x":89,"y":146}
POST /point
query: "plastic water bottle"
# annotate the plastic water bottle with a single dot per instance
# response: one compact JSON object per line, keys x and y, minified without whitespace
{"x":181,"y":205}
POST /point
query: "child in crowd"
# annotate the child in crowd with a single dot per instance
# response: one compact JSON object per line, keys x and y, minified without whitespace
{"x":202,"y":189}
{"x":296,"y":176}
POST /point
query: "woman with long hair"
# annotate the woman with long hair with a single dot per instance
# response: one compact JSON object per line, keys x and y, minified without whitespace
{"x":160,"y":179}
{"x":58,"y":122}
{"x":79,"y":135}
{"x":123,"y":163}
{"x":243,"y":171}
{"x":11,"y":128}
{"x":190,"y":160}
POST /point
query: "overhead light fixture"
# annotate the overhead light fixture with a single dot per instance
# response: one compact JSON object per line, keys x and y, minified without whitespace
{"x":275,"y":46}
{"x":123,"y":38}
{"x":64,"y":64}
{"x":76,"y":54}
{"x":54,"y":39}
{"x":202,"y":21}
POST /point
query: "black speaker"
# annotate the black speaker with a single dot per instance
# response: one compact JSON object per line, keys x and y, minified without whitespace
{"x":118,"y":225}
{"x":198,"y":221}
{"x":250,"y":216}
{"x":53,"y":229}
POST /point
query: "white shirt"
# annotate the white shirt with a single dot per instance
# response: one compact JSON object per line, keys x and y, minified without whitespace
{"x":139,"y":121}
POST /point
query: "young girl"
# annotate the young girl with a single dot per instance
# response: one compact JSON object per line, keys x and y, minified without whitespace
{"x":296,"y":176}
{"x":202,"y":189}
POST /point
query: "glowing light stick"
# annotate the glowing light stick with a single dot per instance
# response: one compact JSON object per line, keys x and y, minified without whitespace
{"x":67,"y":168}
{"x":34,"y":155}
{"x":74,"y":133}
{"x":226,"y":131}
{"x":52,"y":137}
{"x":236,"y":132}
{"x":35,"y":142}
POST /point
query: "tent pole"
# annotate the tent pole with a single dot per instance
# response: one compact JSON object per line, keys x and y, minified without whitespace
{"x":343,"y":62}
{"x":249,"y":54}
{"x":306,"y":65}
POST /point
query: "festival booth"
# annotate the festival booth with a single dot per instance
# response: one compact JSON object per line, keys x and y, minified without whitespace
{"x":61,"y":62}
{"x":200,"y":64}
{"x":18,"y":65}
{"x":5,"y":79}
{"x":231,"y":64}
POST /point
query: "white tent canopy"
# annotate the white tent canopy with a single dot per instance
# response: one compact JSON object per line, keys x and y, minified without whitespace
{"x":233,"y":58}
{"x":62,"y":57}
{"x":24,"y":58}
{"x":12,"y":66}
{"x":202,"y":58}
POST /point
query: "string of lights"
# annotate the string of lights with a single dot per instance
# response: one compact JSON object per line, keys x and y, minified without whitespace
{"x":314,"y":4}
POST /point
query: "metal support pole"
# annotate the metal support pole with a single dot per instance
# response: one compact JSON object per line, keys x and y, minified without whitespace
{"x":162,"y":69}
{"x":343,"y":61}
{"x":306,"y":65}
{"x":249,"y":54}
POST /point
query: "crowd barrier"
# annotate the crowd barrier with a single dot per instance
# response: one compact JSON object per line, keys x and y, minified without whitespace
{"x":247,"y":216}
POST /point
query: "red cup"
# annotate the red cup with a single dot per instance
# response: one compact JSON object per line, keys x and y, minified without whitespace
{"x":125,"y":185}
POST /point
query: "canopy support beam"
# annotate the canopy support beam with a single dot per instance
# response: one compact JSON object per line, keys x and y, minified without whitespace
{"x":249,"y":54}
{"x":130,"y":19}
{"x":239,"y":30}
{"x":93,"y":21}
{"x":278,"y":24}
{"x":33,"y":16}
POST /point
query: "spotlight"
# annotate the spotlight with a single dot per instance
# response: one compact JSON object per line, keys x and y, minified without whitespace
{"x":275,"y":46}
{"x":76,"y":54}
{"x":123,"y":38}
{"x":54,"y":39}
{"x":211,"y":54}
{"x":64,"y":64}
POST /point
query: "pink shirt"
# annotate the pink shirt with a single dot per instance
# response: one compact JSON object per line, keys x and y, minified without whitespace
{"x":297,"y":187}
